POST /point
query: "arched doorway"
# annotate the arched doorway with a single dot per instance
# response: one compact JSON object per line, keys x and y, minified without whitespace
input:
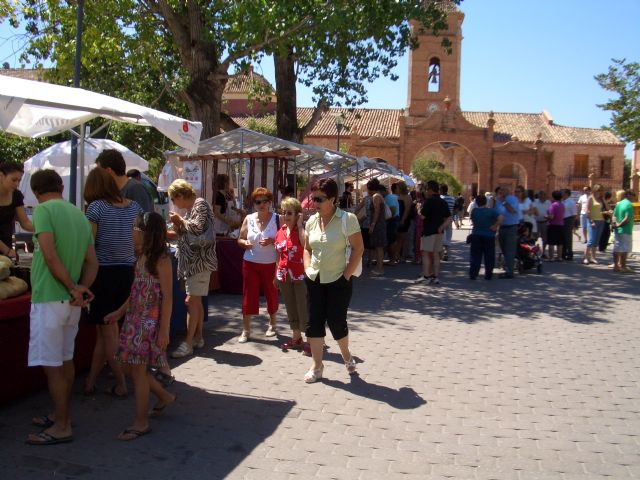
{"x":458,"y":160}
{"x":512,"y":174}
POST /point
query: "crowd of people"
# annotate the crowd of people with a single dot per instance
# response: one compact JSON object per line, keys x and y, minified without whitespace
{"x":113,"y":261}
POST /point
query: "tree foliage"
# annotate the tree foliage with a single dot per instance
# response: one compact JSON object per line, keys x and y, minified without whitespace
{"x":176,"y":55}
{"x":623,"y":79}
{"x":428,"y":168}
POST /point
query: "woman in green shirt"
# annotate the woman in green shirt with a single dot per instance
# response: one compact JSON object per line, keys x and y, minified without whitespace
{"x":329,"y":273}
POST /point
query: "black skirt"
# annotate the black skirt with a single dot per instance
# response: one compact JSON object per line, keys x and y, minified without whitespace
{"x":555,"y":235}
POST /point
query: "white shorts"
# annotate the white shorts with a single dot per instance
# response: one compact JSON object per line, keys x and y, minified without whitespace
{"x":431,"y":243}
{"x":54,"y":326}
{"x":621,"y":243}
{"x":198,"y":285}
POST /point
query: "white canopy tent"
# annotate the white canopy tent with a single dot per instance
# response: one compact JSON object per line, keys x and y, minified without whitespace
{"x":56,"y":157}
{"x":237,"y":146}
{"x":38,"y":109}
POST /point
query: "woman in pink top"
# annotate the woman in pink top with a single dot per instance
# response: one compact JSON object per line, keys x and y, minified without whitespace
{"x":290,"y":271}
{"x":555,"y":217}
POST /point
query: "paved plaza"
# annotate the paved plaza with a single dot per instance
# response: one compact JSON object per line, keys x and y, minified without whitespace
{"x":532,"y":378}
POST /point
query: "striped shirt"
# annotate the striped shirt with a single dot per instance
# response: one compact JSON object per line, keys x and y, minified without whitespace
{"x":194,"y":260}
{"x":114,"y":235}
{"x":451,"y":202}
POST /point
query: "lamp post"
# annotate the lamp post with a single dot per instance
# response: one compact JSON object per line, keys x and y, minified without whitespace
{"x":339,"y":127}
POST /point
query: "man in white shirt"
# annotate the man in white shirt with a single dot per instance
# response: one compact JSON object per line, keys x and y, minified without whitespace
{"x":570,"y":212}
{"x":583,"y":201}
{"x":541,"y":205}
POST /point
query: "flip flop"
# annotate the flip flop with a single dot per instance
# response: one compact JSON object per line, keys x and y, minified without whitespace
{"x":44,"y":421}
{"x":157,"y":411}
{"x":135,"y":434}
{"x":113,"y":393}
{"x":45,"y":439}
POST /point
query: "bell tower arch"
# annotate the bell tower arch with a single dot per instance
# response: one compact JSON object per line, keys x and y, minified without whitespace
{"x":434,"y":68}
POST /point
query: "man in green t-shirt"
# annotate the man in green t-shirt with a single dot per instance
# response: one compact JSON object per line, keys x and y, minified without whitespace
{"x":64,"y":265}
{"x":623,"y":231}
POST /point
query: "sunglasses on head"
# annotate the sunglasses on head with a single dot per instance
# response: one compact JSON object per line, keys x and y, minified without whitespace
{"x":319,"y":199}
{"x":260,"y":202}
{"x":142,"y":226}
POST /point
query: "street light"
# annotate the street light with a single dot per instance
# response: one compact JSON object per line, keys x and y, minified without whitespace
{"x":339,"y":127}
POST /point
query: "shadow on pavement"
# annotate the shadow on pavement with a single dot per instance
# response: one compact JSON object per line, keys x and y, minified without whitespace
{"x":405,"y":398}
{"x":205,"y":434}
{"x":568,"y":291}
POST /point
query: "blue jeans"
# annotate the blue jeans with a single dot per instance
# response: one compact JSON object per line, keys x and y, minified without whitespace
{"x":507,"y":238}
{"x":594,"y":232}
{"x":482,"y":246}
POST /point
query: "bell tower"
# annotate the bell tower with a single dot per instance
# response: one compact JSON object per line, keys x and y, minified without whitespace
{"x":434,"y":69}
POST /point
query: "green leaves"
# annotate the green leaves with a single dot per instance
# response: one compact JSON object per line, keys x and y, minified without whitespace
{"x":428,"y":168}
{"x":624,"y":80}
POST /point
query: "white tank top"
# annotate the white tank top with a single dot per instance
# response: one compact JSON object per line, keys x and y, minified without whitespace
{"x":258,"y":253}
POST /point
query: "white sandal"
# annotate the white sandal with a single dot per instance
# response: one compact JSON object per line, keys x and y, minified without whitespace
{"x":313,"y":375}
{"x":351,"y":365}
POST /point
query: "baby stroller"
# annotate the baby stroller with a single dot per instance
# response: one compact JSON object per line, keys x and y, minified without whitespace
{"x":528,"y":254}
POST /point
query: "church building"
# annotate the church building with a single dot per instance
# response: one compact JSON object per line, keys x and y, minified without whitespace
{"x":482,"y":149}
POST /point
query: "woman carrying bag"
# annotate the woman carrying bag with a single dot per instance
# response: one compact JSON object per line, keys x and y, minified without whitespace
{"x":332,"y":255}
{"x":196,"y":256}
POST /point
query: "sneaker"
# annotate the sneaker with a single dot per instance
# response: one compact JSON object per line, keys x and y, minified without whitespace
{"x":271,"y":331}
{"x":198,"y":343}
{"x":244,"y":337}
{"x":434,"y":281}
{"x":423,"y":279}
{"x":183,"y":350}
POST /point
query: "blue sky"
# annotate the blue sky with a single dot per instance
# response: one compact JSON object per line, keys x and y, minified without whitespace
{"x":527,"y":56}
{"x":521,"y":56}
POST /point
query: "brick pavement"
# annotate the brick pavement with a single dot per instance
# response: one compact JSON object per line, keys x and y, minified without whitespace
{"x":533,"y":378}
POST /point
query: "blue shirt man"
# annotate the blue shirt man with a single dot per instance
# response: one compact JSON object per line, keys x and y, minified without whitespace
{"x":510,"y":215}
{"x":392,"y":201}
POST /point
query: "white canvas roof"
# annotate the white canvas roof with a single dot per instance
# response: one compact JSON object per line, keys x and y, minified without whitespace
{"x":243,"y":143}
{"x":38,"y":109}
{"x":56,"y":157}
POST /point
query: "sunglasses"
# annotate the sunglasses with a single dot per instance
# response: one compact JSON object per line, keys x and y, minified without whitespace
{"x":260,"y":202}
{"x":145,"y":221}
{"x":319,"y":199}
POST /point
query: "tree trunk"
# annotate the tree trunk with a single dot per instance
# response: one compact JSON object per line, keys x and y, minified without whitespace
{"x":204,"y":99}
{"x":286,"y":106}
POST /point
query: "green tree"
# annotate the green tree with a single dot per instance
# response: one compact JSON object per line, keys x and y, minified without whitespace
{"x":626,"y":176}
{"x":623,"y":79}
{"x":346,"y":46}
{"x":20,"y":149}
{"x":428,"y":168}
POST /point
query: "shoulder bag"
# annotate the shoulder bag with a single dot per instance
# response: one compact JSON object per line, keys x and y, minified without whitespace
{"x":347,"y":253}
{"x":205,"y":239}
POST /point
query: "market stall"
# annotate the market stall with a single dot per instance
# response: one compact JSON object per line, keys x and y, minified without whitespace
{"x":251,"y":159}
{"x":36,"y":109}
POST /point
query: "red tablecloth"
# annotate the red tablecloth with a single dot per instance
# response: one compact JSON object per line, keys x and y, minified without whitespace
{"x":229,"y":265}
{"x":16,"y":378}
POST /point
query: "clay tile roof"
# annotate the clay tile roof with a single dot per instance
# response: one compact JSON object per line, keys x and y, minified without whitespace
{"x":370,"y":122}
{"x":242,"y":82}
{"x":23,"y":73}
{"x":527,"y":126}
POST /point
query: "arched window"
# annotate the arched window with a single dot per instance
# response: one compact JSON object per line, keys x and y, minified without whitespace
{"x":433,"y":78}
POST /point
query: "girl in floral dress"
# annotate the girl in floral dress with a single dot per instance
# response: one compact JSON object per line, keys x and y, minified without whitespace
{"x":145,"y":333}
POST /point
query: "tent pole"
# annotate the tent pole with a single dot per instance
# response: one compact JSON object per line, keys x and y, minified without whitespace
{"x":81,"y":156}
{"x":73,"y":178}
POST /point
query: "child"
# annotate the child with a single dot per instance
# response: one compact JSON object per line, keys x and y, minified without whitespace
{"x":145,"y":333}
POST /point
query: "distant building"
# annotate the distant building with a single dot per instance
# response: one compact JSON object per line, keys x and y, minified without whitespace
{"x":482,"y":149}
